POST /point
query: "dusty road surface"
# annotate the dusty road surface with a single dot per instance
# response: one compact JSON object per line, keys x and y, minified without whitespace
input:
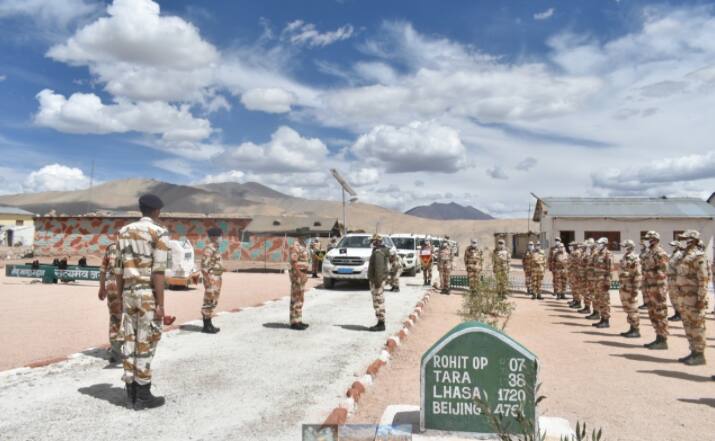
{"x":255,"y":380}
{"x":49,"y":321}
{"x":587,"y":374}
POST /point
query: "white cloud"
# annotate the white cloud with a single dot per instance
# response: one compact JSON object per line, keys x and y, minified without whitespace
{"x":273,"y":100}
{"x":174,"y":165}
{"x":287,"y":151}
{"x":497,"y":172}
{"x":418,"y":146}
{"x":527,"y":163}
{"x":544,"y":15}
{"x":360,"y":177}
{"x":56,"y":177}
{"x":227,"y":176}
{"x":301,"y":33}
{"x":10,"y":180}
{"x":3,"y":77}
{"x":49,"y":12}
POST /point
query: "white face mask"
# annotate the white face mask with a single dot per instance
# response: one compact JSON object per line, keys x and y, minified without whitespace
{"x":531,"y":247}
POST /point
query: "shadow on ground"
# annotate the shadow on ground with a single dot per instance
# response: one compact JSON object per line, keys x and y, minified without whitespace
{"x":354,"y":327}
{"x":615,"y":344}
{"x":106,"y":392}
{"x":570,"y":323}
{"x":679,"y":375}
{"x":643,"y":357}
{"x":190,"y":328}
{"x":277,"y":325}
{"x":704,"y":401}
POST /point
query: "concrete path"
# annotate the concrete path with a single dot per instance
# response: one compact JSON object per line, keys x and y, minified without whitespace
{"x":256,"y":379}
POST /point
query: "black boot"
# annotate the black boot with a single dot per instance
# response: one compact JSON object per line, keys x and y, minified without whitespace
{"x":131,"y":394}
{"x":604,"y":323}
{"x":594,"y":316}
{"x":380,"y":326}
{"x":539,"y":297}
{"x":643,"y":306}
{"x":697,"y":359}
{"x":675,"y":317}
{"x":209,"y":327}
{"x":660,"y":342}
{"x":533,"y":297}
{"x":584,"y":310}
{"x":145,"y":399}
{"x":397,"y":289}
{"x":575,"y":304}
{"x":300,"y":326}
{"x":631,"y":333}
{"x":115,"y":353}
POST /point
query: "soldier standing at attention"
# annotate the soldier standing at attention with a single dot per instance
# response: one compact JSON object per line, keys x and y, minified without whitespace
{"x":584,"y":277}
{"x":692,"y":286}
{"x":445,"y":266}
{"x":644,"y":250}
{"x":211,"y":269}
{"x":550,"y":261}
{"x":108,"y":290}
{"x":673,"y":262}
{"x":560,"y":262}
{"x":333,"y":243}
{"x":473,"y":258}
{"x":602,"y":266}
{"x":298,"y":278}
{"x":574,"y":261}
{"x":376,"y":274}
{"x":426,"y":261}
{"x":395,"y":271}
{"x":140,"y":266}
{"x":526,"y":265}
{"x":655,"y":267}
{"x":593,"y":282}
{"x":537,"y":269}
{"x":630,"y":277}
{"x":501,"y":264}
{"x":315,"y":256}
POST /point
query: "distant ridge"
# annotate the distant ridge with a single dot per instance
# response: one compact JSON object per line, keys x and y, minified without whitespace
{"x":450,"y":211}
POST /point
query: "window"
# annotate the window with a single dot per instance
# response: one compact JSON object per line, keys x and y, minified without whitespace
{"x":567,"y":237}
{"x":19,"y":222}
{"x":677,"y":233}
{"x":614,"y":238}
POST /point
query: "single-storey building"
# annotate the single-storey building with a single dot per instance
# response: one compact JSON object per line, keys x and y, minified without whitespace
{"x":16,"y":226}
{"x":623,"y":218}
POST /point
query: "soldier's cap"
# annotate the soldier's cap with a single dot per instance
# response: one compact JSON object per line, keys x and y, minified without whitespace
{"x":214,"y":232}
{"x":629,"y":244}
{"x":151,"y":201}
{"x":652,"y":235}
{"x":501,"y":242}
{"x":572,"y":243}
{"x":531,"y":242}
{"x":674,"y":243}
{"x":474,"y":242}
{"x":603,"y":241}
{"x":589,"y":241}
{"x":377,"y":237}
{"x":393,"y":252}
{"x":690,"y":235}
{"x":557,"y":240}
{"x":444,"y":244}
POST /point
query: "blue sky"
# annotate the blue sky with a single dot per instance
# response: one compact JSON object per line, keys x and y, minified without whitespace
{"x":480,"y":102}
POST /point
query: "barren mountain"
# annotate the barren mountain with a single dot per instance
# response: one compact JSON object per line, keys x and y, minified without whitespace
{"x":451,"y":211}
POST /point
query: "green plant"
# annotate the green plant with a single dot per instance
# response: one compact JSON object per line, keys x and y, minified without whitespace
{"x":484,"y":304}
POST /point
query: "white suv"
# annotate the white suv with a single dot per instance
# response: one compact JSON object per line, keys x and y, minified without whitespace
{"x":350,"y":258}
{"x":407,"y":246}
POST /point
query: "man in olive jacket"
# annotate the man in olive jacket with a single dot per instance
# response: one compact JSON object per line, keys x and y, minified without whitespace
{"x":377,"y":274}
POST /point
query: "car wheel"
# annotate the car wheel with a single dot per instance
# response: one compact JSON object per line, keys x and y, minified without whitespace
{"x":328,"y":283}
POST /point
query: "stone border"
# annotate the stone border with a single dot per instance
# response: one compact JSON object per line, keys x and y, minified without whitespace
{"x":339,"y":415}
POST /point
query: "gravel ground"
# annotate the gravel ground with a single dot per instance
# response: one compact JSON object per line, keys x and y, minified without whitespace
{"x":587,"y":374}
{"x":255,"y":380}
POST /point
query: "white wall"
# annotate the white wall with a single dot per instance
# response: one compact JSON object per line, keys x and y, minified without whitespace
{"x":631,"y":228}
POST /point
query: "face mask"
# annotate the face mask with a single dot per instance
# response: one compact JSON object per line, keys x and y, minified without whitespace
{"x":531,"y":247}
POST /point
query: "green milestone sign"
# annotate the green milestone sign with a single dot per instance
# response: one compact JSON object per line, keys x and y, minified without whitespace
{"x":472,"y":364}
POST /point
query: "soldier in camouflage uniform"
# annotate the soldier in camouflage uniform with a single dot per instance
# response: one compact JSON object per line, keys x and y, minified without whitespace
{"x":573,"y":271}
{"x":560,"y":262}
{"x":445,"y":266}
{"x":141,"y":262}
{"x":641,"y":256}
{"x":108,"y":290}
{"x":592,"y":282}
{"x":673,"y":262}
{"x":526,"y":265}
{"x":426,"y":253}
{"x":630,"y":277}
{"x":473,"y":258}
{"x":692,"y":288}
{"x":298,"y":256}
{"x":655,"y":275}
{"x":315,"y":257}
{"x":396,"y":266}
{"x":376,"y":275}
{"x":211,"y":269}
{"x":584,"y":275}
{"x":537,"y":267}
{"x":501,"y":265}
{"x":602,"y":266}
{"x":550,"y":261}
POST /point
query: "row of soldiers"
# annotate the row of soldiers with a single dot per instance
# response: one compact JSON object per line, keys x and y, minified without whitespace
{"x":683,"y":275}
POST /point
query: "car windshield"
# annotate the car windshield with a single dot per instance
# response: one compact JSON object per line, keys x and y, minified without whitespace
{"x":361,"y":242}
{"x":404,"y":243}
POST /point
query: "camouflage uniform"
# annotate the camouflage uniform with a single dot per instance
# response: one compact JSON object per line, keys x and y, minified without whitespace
{"x":526,"y":265}
{"x":630,"y":277}
{"x":473,"y":259}
{"x":211,"y":268}
{"x":396,"y":266}
{"x":501,"y":264}
{"x":315,"y":256}
{"x":675,"y":258}
{"x":584,"y":280}
{"x":445,"y":266}
{"x":377,"y":273}
{"x":537,"y":267}
{"x":143,"y":250}
{"x":550,"y":263}
{"x":560,"y":262}
{"x":114,"y":300}
{"x":692,"y":288}
{"x":592,"y":282}
{"x":573,"y":274}
{"x":602,"y":266}
{"x":655,"y":266}
{"x":426,"y":250}
{"x":298,"y":279}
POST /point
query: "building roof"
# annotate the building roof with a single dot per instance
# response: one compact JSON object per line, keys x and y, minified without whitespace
{"x":623,"y":207}
{"x":291,"y":224}
{"x":14,"y":210}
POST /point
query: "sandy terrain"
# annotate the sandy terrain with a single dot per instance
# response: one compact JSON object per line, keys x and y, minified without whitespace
{"x":47,"y":321}
{"x":255,"y":380}
{"x":587,"y":374}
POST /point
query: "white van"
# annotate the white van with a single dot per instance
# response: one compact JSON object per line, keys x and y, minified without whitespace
{"x":350,"y":258}
{"x":181,"y":270}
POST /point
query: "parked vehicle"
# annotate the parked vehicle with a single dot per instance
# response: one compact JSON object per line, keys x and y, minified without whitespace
{"x":407,"y":248}
{"x":350,"y":259}
{"x":181,"y":268}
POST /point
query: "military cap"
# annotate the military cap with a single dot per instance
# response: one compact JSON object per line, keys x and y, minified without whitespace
{"x":446,"y":237}
{"x":531,"y":242}
{"x":690,"y":235}
{"x":674,"y":243}
{"x":377,"y":237}
{"x":629,"y":244}
{"x":151,"y":201}
{"x":444,"y":244}
{"x":557,"y":240}
{"x":603,"y":241}
{"x":572,"y":243}
{"x":590,"y":241}
{"x":214,"y":232}
{"x":501,"y":242}
{"x":652,"y":235}
{"x":475,"y":242}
